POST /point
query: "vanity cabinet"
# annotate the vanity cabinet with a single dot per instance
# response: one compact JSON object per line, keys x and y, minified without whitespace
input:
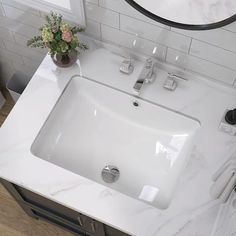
{"x":40,"y":207}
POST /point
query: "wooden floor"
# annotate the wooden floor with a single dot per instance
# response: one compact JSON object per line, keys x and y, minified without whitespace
{"x":13,"y":220}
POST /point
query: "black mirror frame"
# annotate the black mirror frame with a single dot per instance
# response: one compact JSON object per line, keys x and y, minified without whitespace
{"x":180,"y":25}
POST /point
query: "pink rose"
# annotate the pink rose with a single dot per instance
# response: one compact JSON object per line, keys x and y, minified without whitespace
{"x":67,"y":36}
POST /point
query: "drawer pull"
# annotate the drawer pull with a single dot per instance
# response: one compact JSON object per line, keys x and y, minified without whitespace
{"x":80,"y":220}
{"x":93,"y":226}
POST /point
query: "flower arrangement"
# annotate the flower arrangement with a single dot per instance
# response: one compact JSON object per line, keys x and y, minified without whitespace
{"x":59,"y":37}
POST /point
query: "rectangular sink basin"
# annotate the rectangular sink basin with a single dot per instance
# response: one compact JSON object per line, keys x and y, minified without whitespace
{"x":125,"y":143}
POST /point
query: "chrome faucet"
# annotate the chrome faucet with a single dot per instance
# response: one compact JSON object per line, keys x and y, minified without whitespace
{"x":171,"y":83}
{"x":146,"y":76}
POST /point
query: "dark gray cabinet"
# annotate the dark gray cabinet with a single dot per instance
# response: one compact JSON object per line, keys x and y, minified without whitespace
{"x":40,"y":207}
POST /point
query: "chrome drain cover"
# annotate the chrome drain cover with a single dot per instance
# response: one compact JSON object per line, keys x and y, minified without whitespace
{"x":110,"y":174}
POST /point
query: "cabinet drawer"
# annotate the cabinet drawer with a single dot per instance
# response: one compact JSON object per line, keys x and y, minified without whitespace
{"x":58,"y":222}
{"x":60,"y":212}
{"x":55,"y":210}
{"x":48,"y":205}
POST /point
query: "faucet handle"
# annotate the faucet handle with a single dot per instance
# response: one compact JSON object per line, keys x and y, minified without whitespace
{"x":127,"y":66}
{"x":170,"y":83}
{"x":173,"y":75}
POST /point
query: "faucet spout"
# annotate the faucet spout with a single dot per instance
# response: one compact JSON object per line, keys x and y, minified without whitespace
{"x":147,"y":75}
{"x":138,"y":85}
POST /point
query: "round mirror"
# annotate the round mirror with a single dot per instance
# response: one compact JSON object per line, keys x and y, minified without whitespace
{"x":188,"y":14}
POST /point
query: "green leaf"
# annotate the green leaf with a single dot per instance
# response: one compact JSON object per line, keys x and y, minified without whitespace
{"x":36,"y":41}
{"x":58,"y":36}
{"x":77,"y":29}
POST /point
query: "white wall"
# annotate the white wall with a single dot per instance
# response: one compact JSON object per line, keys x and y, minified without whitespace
{"x":211,"y":53}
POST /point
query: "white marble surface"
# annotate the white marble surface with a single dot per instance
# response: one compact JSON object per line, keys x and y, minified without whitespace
{"x":191,"y":11}
{"x":225,"y":224}
{"x":191,"y":213}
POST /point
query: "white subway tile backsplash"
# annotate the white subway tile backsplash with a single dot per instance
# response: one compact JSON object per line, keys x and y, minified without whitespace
{"x":6,"y":34}
{"x":154,"y":33}
{"x":102,"y":15}
{"x":132,"y":42}
{"x":231,"y":27}
{"x":24,"y":51}
{"x":218,"y":37}
{"x":18,"y":27}
{"x":213,"y":54}
{"x":6,"y":55}
{"x":93,"y":29}
{"x":123,"y":7}
{"x":14,"y":13}
{"x":22,"y":40}
{"x":22,"y":16}
{"x":24,"y":8}
{"x":200,"y":66}
{"x":93,"y":1}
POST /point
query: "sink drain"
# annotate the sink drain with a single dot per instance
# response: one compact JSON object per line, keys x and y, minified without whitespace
{"x":110,"y":174}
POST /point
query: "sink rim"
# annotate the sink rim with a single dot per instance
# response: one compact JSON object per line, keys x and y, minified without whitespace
{"x":196,"y":123}
{"x":119,"y":90}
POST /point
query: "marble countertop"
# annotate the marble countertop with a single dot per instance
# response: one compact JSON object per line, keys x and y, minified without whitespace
{"x":192,"y":212}
{"x":191,"y":12}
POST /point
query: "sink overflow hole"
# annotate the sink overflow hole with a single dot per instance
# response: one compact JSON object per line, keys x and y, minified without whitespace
{"x":136,"y":103}
{"x":110,"y":174}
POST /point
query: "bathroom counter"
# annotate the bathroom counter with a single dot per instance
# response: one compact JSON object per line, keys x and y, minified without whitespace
{"x":192,"y":212}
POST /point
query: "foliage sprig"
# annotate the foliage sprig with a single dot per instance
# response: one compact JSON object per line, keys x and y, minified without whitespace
{"x":58,"y":36}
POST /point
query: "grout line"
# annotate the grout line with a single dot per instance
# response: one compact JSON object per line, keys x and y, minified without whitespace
{"x":119,"y":22}
{"x":166,"y":54}
{"x":215,"y":46}
{"x":100,"y":26}
{"x":4,"y":45}
{"x":30,"y":10}
{"x":228,"y":30}
{"x":190,"y":46}
{"x":136,"y":18}
{"x":191,"y":55}
{"x":211,"y":44}
{"x":3,"y":10}
{"x":172,"y":48}
{"x":159,"y":25}
{"x":156,"y":42}
{"x":207,"y":77}
{"x":169,"y":29}
{"x":91,"y":19}
{"x":147,"y":22}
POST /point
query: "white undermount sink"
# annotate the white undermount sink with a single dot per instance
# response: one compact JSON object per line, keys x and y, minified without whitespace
{"x":93,"y":125}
